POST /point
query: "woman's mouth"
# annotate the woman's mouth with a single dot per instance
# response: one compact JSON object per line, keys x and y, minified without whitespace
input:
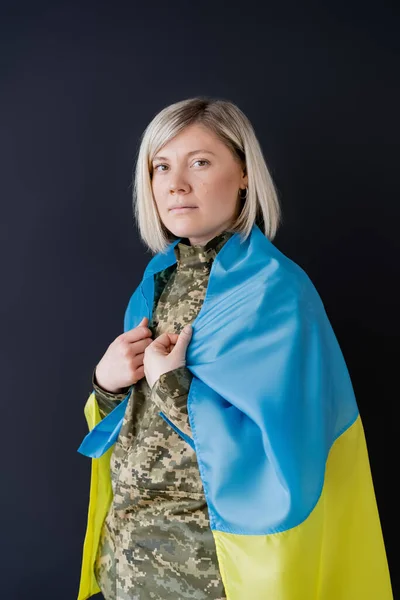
{"x":182,"y":209}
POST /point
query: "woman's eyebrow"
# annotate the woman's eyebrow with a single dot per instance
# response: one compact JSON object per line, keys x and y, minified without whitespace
{"x":188,"y":154}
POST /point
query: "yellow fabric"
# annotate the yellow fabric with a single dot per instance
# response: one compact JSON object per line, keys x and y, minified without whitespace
{"x":342,"y":535}
{"x":352,"y":565}
{"x":99,"y":503}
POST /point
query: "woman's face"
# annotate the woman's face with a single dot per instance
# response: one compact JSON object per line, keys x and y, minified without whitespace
{"x":197,"y":170}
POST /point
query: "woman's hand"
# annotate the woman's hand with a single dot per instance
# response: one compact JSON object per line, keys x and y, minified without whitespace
{"x":122,"y":364}
{"x":165,"y":353}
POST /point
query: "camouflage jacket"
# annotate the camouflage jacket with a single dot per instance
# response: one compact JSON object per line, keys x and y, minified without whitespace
{"x":156,"y":540}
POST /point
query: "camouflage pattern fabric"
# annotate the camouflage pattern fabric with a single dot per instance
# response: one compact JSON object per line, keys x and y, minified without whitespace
{"x":107,"y":401}
{"x":156,"y":541}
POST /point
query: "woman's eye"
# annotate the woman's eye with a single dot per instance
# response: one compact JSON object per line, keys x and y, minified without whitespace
{"x":196,"y":161}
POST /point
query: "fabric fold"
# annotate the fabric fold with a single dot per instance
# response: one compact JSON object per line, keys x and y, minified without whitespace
{"x":277,"y":433}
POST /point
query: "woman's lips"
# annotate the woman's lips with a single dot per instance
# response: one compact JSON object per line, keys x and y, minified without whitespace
{"x":182,"y":209}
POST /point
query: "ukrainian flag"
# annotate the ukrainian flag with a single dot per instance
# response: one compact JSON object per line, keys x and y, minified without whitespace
{"x":277,"y":433}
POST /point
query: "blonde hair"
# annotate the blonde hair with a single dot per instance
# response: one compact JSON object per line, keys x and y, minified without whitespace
{"x":231,"y":126}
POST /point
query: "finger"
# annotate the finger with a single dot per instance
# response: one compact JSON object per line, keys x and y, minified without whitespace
{"x":139,"y":374}
{"x":138,"y":367}
{"x":163,"y":340}
{"x":183,"y":340}
{"x":139,"y":346}
{"x":138,"y":360}
{"x":137,"y":333}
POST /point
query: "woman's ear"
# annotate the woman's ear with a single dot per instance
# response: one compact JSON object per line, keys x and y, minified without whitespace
{"x":245,"y":177}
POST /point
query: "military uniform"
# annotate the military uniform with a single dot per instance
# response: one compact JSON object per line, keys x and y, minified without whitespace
{"x":156,"y":542}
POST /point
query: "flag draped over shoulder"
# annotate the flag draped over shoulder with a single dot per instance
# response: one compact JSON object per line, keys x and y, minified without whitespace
{"x":277,"y":433}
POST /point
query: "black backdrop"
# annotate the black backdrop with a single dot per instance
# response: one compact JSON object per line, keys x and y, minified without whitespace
{"x":78,"y":86}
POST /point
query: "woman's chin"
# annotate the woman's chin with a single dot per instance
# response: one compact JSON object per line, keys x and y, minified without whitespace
{"x":184,"y":229}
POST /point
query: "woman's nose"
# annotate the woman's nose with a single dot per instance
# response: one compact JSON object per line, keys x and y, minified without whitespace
{"x":177,"y":182}
{"x":178,"y":187}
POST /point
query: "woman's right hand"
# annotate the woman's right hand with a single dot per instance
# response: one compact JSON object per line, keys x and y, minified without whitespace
{"x":122,"y":364}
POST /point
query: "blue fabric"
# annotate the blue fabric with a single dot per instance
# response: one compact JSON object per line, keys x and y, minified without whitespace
{"x":270,"y":390}
{"x":105,"y":434}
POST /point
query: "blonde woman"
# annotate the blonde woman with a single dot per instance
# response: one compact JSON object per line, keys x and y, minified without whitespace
{"x":228,"y":455}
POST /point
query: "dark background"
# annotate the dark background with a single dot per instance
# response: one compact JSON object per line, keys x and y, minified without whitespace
{"x":78,"y":86}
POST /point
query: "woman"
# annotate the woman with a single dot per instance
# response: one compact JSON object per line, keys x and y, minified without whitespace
{"x":217,"y":482}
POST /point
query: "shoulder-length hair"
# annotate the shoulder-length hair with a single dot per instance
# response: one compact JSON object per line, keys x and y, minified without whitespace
{"x":234,"y":129}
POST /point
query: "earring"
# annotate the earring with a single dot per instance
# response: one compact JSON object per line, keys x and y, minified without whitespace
{"x":243,"y":197}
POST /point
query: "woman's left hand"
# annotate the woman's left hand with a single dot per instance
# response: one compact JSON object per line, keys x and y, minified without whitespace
{"x":165,"y":353}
